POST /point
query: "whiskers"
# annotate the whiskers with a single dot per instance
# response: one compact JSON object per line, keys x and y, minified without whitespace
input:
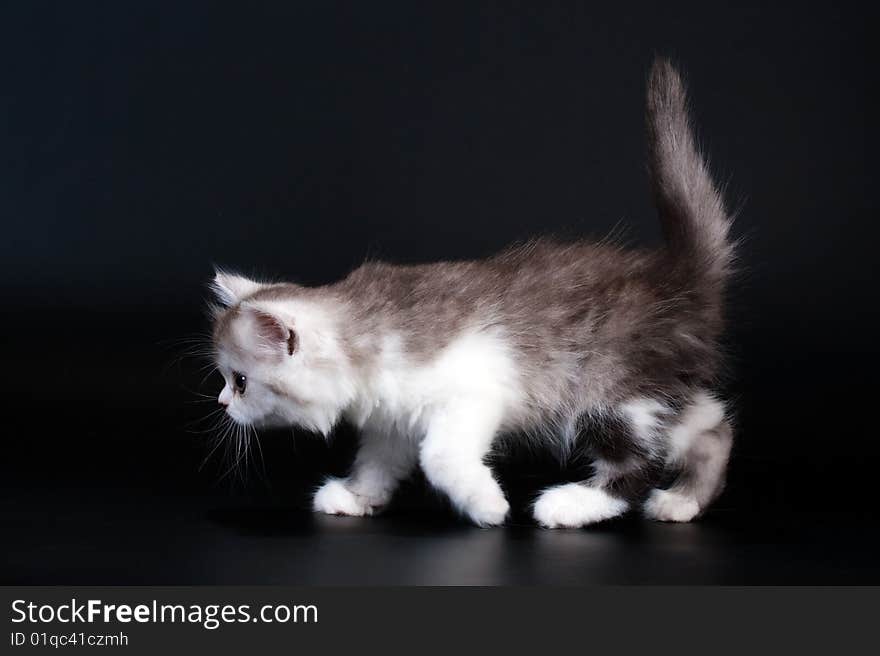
{"x":198,"y":346}
{"x":237,"y":445}
{"x":194,"y":359}
{"x":237,"y":442}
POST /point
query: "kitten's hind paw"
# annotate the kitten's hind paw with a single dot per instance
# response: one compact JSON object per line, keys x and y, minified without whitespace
{"x":574,"y":505}
{"x":334,"y":498}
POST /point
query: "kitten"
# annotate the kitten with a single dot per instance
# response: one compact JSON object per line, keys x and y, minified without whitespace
{"x":433,"y":362}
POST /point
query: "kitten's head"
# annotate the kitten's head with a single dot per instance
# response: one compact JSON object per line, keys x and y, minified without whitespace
{"x":278,"y":351}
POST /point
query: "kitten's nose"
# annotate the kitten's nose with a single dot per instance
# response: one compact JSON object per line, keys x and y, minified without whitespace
{"x":225,"y":396}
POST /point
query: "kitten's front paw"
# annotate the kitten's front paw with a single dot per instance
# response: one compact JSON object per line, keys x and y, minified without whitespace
{"x":669,"y":506}
{"x":334,"y":498}
{"x":489,"y":508}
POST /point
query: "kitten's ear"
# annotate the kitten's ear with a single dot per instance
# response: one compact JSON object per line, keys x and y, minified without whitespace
{"x":230,"y":288}
{"x":272,"y":332}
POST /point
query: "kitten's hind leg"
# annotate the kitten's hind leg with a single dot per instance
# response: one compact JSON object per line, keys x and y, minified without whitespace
{"x":576,"y":504}
{"x":383,"y":460}
{"x":628,"y":446}
{"x":699,"y":448}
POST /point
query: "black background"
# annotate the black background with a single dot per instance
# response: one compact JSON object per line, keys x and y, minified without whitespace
{"x":142,"y":143}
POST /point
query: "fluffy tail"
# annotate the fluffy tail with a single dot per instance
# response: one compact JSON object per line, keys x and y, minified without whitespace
{"x":695,"y":221}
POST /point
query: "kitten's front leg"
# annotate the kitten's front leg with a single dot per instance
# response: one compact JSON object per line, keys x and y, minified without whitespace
{"x":458,"y":438}
{"x":383,"y":460}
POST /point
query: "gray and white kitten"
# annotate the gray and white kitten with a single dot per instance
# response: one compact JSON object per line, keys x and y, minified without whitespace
{"x":432,"y":363}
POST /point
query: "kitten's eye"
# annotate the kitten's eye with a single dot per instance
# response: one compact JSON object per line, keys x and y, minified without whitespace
{"x":240,"y":382}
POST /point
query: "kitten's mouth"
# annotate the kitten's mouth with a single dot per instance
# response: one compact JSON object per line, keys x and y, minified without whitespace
{"x":236,"y":419}
{"x":273,"y":421}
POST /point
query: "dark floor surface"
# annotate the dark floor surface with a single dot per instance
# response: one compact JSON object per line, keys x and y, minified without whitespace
{"x":101,"y":482}
{"x":139,"y":536}
{"x":119,"y":518}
